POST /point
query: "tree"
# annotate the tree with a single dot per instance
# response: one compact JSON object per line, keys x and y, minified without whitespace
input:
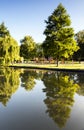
{"x":3,"y":34}
{"x":59,"y":42}
{"x":3,"y":30}
{"x":39,"y":50}
{"x":79,"y":55}
{"x":13,"y":50}
{"x":9,"y":49}
{"x":27,"y":47}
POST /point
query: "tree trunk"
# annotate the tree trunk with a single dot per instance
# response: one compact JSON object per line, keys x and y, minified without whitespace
{"x":57,"y":62}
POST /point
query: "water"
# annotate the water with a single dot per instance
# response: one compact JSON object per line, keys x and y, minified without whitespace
{"x":41,"y":100}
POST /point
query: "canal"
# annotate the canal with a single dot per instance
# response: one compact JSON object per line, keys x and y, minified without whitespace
{"x":41,"y":100}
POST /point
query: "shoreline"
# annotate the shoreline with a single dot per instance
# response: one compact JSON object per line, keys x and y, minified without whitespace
{"x":49,"y":67}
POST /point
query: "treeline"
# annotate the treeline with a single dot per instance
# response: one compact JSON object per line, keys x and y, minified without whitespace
{"x":9,"y":49}
{"x":60,"y":43}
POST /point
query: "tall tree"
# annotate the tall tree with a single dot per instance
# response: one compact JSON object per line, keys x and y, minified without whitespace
{"x":79,"y":55}
{"x":39,"y":50}
{"x":3,"y":30}
{"x":13,"y":50}
{"x":59,"y":42}
{"x":9,"y":49}
{"x":4,"y":33}
{"x":27,"y":47}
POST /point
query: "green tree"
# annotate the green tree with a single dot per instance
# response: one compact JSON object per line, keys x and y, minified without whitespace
{"x":27,"y":47}
{"x":13,"y":50}
{"x":9,"y":49}
{"x":3,"y":30}
{"x":79,"y":55}
{"x":59,"y":42}
{"x":3,"y":34}
{"x":39,"y":54}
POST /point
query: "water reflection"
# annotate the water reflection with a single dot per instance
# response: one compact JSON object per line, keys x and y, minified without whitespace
{"x":28,"y":78}
{"x":80,"y":81}
{"x":9,"y":82}
{"x":60,"y":90}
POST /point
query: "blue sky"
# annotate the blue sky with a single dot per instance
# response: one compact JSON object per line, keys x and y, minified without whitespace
{"x":26,"y":17}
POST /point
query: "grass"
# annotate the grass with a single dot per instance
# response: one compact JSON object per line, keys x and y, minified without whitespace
{"x":74,"y":66}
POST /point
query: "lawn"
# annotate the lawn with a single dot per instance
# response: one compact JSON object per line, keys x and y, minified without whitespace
{"x":74,"y":66}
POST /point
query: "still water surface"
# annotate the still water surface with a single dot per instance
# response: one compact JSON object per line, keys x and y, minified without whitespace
{"x":41,"y":100}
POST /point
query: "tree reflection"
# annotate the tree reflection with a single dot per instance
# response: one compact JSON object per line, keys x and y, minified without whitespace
{"x":9,"y":82}
{"x":28,"y":78}
{"x":80,"y":81}
{"x":78,"y":78}
{"x":60,"y":90}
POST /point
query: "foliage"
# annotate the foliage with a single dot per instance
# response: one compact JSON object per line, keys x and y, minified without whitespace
{"x":3,"y":30}
{"x":27,"y":47}
{"x":39,"y":50}
{"x":9,"y":49}
{"x":59,"y":40}
{"x":13,"y":50}
{"x":79,"y":55}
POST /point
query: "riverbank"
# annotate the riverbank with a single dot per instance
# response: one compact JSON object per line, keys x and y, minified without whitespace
{"x":66,"y":67}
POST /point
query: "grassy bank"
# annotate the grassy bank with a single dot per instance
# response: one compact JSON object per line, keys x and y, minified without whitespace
{"x":72,"y":66}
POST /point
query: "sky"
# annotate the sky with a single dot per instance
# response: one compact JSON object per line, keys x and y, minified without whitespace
{"x":26,"y":17}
